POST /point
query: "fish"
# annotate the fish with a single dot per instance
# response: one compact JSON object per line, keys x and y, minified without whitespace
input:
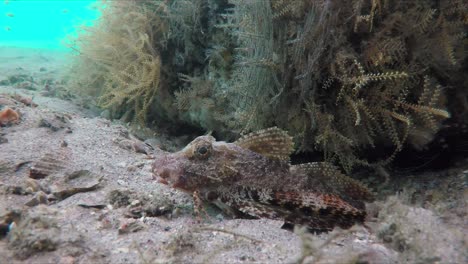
{"x":253,"y":178}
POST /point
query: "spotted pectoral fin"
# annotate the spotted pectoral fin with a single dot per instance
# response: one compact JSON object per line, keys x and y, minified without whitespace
{"x":259,"y":210}
{"x":273,"y":143}
{"x":249,"y":209}
{"x":320,"y":212}
{"x":334,"y":181}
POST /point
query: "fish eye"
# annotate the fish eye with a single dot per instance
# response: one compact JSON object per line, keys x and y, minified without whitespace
{"x":202,"y":151}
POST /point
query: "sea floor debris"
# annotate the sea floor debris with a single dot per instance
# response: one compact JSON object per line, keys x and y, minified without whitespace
{"x":98,"y":203}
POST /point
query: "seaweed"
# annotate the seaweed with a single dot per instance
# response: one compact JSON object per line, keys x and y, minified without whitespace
{"x":344,"y":88}
{"x":343,"y":78}
{"x":118,"y":60}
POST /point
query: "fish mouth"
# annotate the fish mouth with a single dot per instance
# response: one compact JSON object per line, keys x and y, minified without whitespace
{"x":168,"y":171}
{"x":161,"y":180}
{"x":178,"y":183}
{"x":166,"y":176}
{"x":169,"y":174}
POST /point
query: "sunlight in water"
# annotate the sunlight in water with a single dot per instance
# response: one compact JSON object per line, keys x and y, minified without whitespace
{"x":42,"y":23}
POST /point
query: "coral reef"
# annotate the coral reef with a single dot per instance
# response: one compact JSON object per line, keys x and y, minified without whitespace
{"x":342,"y":78}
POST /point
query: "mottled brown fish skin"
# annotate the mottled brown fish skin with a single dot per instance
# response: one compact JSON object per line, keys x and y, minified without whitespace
{"x":253,"y":178}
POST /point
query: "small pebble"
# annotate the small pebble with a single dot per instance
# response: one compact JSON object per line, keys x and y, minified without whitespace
{"x":130,"y":226}
{"x":139,"y":147}
{"x":121,"y":182}
{"x":135,"y":203}
{"x":39,"y":198}
{"x":3,"y":140}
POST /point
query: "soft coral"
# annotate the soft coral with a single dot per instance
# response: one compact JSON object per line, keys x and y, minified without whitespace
{"x":8,"y":115}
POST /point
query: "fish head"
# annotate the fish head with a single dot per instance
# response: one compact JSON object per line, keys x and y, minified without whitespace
{"x":195,"y":166}
{"x":206,"y":163}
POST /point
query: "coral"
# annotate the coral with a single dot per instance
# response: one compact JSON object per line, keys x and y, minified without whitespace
{"x":8,"y":116}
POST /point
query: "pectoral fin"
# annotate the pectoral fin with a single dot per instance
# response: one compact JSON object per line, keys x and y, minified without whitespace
{"x":334,"y":181}
{"x":319,"y":212}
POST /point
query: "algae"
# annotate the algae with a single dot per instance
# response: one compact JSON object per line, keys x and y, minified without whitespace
{"x":345,"y":79}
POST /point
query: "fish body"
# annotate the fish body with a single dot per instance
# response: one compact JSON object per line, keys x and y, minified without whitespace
{"x":253,"y":178}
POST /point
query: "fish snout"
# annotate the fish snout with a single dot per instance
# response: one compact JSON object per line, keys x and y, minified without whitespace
{"x":168,"y":169}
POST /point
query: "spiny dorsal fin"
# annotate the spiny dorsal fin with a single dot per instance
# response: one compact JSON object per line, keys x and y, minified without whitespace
{"x":272,"y":142}
{"x":335,"y":181}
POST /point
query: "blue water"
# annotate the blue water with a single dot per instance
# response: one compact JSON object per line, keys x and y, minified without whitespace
{"x":43,"y":23}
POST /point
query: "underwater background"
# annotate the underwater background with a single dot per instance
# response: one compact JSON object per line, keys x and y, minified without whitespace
{"x":362,"y":105}
{"x":42,"y":23}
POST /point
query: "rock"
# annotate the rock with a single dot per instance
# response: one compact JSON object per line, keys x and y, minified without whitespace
{"x":38,"y":198}
{"x":120,"y":197}
{"x":36,"y":173}
{"x":48,"y":164}
{"x":54,"y":124}
{"x":151,"y":206}
{"x":26,"y":85}
{"x":154,"y":142}
{"x":378,"y":254}
{"x":130,"y":226}
{"x":140,"y":147}
{"x":105,"y":114}
{"x":3,"y":140}
{"x":25,"y":100}
{"x":18,"y":78}
{"x":36,"y":231}
{"x":33,"y":185}
{"x":76,"y":182}
{"x":17,"y":190}
{"x":7,"y":220}
{"x":124,"y":144}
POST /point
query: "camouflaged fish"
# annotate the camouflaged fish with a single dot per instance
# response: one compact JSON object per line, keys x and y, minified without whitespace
{"x":252,"y":178}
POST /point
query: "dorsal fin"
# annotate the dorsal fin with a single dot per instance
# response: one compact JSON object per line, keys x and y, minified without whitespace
{"x":272,"y":142}
{"x":325,"y":174}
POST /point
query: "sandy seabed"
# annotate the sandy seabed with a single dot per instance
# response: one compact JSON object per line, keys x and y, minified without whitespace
{"x":78,"y":188}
